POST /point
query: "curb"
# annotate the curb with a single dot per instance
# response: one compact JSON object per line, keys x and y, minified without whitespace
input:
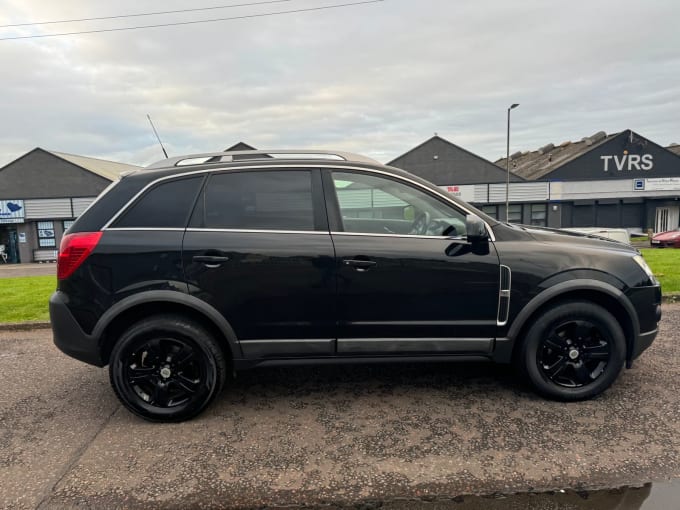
{"x":24,"y":326}
{"x":671,"y":298}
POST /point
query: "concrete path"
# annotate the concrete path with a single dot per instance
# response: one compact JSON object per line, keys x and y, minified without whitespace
{"x":16,"y":270}
{"x":337,"y":436}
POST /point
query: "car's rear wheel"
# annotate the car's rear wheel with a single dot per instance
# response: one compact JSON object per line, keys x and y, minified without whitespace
{"x":167,"y":368}
{"x":573,"y":351}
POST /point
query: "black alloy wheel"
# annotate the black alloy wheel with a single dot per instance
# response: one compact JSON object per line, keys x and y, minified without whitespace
{"x":574,"y":354}
{"x":167,"y":368}
{"x":573,"y":351}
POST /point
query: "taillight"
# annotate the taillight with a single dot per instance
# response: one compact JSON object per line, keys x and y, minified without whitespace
{"x":73,"y":251}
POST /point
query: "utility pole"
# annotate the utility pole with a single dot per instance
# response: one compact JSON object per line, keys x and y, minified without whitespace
{"x":507,"y":167}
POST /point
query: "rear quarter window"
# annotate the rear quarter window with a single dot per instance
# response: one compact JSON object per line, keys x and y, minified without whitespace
{"x":165,"y":205}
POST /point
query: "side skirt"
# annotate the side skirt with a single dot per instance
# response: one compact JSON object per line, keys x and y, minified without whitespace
{"x":245,"y":364}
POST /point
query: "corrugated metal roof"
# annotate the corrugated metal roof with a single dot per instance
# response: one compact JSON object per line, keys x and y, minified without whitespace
{"x":107,"y":169}
{"x":533,"y":165}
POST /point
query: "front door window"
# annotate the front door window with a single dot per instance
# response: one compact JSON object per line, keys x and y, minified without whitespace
{"x":376,"y":205}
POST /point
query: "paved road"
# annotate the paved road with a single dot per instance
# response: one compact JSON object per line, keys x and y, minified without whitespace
{"x":319,"y":435}
{"x":15,"y":270}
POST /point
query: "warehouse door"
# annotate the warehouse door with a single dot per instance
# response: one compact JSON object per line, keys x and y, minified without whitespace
{"x":667,"y":218}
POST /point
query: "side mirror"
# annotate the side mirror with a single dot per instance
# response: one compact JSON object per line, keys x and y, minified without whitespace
{"x":475,"y":229}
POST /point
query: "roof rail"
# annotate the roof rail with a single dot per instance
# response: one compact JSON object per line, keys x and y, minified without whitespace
{"x":229,"y":156}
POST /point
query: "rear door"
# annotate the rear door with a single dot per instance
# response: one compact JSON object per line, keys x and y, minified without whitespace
{"x":409,"y":282}
{"x":258,"y":249}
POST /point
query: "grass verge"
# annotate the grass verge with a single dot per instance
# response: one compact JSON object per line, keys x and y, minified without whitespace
{"x":26,"y":298}
{"x":665,"y":263}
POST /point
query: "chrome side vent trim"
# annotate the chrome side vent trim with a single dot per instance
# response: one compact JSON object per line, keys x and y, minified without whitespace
{"x":504,"y":295}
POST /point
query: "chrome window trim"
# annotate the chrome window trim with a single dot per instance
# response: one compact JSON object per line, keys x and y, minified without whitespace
{"x":415,"y":236}
{"x":146,"y":229}
{"x":257,"y":231}
{"x":336,"y":166}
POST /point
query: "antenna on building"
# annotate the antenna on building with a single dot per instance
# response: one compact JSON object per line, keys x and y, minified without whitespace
{"x":156,"y":133}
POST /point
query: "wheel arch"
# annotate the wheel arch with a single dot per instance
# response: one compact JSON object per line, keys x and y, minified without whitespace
{"x":129,"y":310}
{"x":607,"y":296}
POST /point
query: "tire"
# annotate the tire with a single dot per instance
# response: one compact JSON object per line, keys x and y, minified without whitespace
{"x":573,"y":351}
{"x":167,"y":368}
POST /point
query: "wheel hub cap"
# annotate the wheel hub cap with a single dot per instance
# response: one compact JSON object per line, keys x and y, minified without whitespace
{"x":165,"y":372}
{"x":573,"y":354}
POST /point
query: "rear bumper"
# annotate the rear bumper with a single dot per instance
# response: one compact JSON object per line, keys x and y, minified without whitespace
{"x":69,"y":336}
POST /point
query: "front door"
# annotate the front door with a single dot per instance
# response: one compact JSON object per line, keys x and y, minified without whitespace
{"x":408,"y":280}
{"x":667,"y":218}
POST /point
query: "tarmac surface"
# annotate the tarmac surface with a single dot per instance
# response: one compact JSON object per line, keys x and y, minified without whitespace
{"x":398,"y":436}
{"x":16,"y":270}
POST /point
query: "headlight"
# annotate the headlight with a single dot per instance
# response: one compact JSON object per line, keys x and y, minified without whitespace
{"x":643,"y":264}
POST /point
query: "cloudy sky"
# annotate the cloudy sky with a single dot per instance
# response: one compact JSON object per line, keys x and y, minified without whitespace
{"x":377,"y":78}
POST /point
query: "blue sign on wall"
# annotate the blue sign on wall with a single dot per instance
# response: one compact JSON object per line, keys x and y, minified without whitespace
{"x":11,"y":211}
{"x":638,"y":185}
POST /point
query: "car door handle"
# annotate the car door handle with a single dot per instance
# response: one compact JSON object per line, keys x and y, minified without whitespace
{"x":211,"y":261}
{"x":359,"y":265}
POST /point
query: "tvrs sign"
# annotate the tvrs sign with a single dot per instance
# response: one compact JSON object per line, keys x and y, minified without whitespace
{"x":628,"y":162}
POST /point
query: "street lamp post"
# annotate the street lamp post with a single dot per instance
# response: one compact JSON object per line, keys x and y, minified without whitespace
{"x":507,"y":167}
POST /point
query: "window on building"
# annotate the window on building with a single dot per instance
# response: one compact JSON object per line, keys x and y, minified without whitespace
{"x":491,"y":210}
{"x":515,"y":213}
{"x":67,"y":224}
{"x":46,"y":237}
{"x":166,"y":205}
{"x":538,"y":215}
{"x":279,"y":200}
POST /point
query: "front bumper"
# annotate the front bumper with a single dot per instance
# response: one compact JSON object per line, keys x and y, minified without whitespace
{"x":69,"y":336}
{"x":647,"y":304}
{"x":671,"y":243}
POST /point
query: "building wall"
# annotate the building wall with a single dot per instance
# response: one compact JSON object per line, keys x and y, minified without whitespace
{"x":627,"y":155}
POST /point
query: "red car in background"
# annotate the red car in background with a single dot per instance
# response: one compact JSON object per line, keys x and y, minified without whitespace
{"x":669,"y":239}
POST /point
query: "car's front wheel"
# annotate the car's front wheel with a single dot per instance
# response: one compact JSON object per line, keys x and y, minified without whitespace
{"x":573,"y":351}
{"x":167,"y":368}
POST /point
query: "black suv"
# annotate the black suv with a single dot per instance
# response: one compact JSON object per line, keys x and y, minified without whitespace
{"x":200,"y":265}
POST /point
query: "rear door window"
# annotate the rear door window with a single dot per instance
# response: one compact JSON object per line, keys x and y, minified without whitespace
{"x":254,"y":200}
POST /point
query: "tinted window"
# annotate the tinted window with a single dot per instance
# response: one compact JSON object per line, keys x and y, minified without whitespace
{"x":279,"y":200}
{"x":377,"y":205}
{"x":515,"y":213}
{"x":166,"y":205}
{"x":538,"y":215}
{"x":491,"y":210}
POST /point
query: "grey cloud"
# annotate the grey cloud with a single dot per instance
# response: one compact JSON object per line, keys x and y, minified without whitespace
{"x":375,"y":79}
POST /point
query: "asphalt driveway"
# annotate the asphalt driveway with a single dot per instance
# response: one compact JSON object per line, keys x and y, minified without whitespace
{"x":16,"y":270}
{"x":337,"y":435}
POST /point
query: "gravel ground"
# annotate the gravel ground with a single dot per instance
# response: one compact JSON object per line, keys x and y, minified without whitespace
{"x":328,"y":437}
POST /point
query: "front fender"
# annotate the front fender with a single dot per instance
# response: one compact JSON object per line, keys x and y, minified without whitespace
{"x":504,"y":346}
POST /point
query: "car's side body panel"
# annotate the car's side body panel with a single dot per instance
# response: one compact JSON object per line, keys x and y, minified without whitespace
{"x":424,"y":298}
